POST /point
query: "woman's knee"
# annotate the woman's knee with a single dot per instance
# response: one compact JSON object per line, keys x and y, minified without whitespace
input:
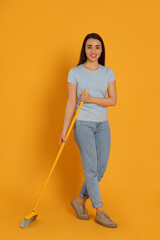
{"x":101,"y":172}
{"x":100,"y":176}
{"x":90,"y":175}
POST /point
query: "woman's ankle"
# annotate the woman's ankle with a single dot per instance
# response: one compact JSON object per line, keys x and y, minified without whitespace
{"x":99,"y":210}
{"x":81,"y":200}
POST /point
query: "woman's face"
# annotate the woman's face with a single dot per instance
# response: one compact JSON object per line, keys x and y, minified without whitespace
{"x":93,"y":49}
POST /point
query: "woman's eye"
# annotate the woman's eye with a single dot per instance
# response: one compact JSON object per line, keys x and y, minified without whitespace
{"x":96,"y":47}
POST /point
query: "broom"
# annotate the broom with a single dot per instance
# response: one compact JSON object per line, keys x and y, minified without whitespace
{"x":33,"y":215}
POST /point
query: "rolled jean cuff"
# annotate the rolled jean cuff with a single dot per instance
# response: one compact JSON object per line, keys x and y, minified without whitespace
{"x":86,"y":197}
{"x":97,"y":205}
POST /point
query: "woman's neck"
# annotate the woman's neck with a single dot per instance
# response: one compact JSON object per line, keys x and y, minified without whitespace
{"x":91,"y":65}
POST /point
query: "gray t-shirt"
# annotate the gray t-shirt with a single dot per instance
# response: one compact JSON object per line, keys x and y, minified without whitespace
{"x":97,"y":84}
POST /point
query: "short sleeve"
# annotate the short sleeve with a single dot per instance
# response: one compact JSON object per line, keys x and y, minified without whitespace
{"x":111,"y":76}
{"x":71,"y":77}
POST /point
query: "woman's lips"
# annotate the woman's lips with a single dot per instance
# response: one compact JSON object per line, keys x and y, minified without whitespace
{"x":93,"y":56}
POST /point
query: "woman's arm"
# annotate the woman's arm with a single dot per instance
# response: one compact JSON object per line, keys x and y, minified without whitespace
{"x":111,"y":100}
{"x":70,"y":107}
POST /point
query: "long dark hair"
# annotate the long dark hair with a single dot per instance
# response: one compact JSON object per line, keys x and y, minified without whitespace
{"x":83,"y":56}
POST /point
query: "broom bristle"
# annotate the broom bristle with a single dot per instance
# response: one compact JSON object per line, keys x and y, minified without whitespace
{"x":26,"y":222}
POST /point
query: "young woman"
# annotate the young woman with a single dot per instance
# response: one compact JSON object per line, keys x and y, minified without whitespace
{"x":91,"y":129}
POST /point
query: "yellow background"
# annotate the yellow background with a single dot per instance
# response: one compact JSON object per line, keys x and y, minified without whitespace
{"x":40,"y":41}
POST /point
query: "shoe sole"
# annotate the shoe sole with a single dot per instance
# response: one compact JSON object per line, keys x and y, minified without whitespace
{"x":105,"y":225}
{"x":77,"y":213}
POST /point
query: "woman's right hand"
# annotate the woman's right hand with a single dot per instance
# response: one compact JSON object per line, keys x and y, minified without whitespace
{"x":62,"y":139}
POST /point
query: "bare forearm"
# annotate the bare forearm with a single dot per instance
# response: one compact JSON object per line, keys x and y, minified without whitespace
{"x":107,"y":101}
{"x":70,"y":107}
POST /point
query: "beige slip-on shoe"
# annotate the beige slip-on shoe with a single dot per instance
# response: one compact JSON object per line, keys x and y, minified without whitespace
{"x":80,"y":210}
{"x":103,"y":219}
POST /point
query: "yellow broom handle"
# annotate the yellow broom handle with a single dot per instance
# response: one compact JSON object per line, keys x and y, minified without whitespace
{"x":60,"y":150}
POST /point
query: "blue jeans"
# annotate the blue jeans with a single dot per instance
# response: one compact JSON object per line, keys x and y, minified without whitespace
{"x":93,"y":140}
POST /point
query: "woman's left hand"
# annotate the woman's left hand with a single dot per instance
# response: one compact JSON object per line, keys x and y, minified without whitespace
{"x":85,"y":97}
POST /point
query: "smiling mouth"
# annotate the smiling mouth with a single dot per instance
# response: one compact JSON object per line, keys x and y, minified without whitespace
{"x":93,"y":55}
